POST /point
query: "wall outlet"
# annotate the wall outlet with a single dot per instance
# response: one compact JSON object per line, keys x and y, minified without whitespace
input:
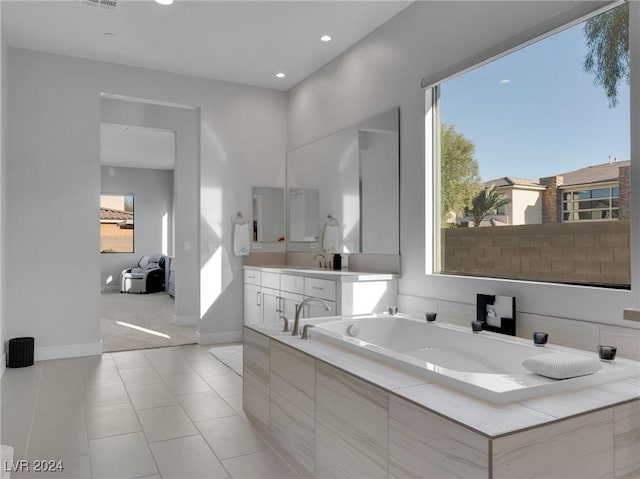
{"x":256,"y":246}
{"x":187,"y":246}
{"x":314,"y":246}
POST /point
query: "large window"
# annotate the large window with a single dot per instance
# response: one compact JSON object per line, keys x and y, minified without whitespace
{"x":592,"y":204}
{"x":532,"y":156}
{"x":116,"y":224}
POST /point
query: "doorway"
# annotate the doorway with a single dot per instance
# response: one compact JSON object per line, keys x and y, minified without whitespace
{"x":139,"y":201}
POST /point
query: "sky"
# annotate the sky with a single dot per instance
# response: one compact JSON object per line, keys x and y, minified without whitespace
{"x":536,"y":112}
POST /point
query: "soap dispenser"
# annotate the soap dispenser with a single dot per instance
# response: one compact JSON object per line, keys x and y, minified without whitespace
{"x":337,"y":262}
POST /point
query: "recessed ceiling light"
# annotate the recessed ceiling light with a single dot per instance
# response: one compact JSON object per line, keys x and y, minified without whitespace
{"x":280,"y":75}
{"x":325,"y":38}
{"x":164,"y":2}
{"x":109,"y":34}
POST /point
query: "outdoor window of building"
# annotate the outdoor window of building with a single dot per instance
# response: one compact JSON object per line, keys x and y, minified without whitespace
{"x":532,"y":160}
{"x":116,"y":224}
{"x":593,"y":204}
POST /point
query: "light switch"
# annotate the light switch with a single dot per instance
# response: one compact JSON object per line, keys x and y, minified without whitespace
{"x":187,"y":246}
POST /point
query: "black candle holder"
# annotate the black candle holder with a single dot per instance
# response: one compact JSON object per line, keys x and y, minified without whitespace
{"x":540,"y":338}
{"x":431,"y":316}
{"x":607,"y":353}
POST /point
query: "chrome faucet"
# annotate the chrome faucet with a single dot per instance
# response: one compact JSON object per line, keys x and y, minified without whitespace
{"x":296,"y":321}
{"x":322,"y":261}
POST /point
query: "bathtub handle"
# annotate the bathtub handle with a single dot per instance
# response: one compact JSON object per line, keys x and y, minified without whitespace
{"x":305,"y":331}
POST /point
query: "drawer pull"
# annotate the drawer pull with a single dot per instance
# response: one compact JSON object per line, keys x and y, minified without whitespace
{"x":317,"y":287}
{"x":251,"y":277}
{"x":257,"y":298}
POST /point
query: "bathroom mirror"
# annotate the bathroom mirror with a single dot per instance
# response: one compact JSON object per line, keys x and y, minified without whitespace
{"x":304,"y":219}
{"x":268,"y":219}
{"x":356,"y":173}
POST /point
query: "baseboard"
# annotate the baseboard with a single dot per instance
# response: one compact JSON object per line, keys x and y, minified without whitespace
{"x":187,"y":320}
{"x":44,"y":353}
{"x":218,"y":338}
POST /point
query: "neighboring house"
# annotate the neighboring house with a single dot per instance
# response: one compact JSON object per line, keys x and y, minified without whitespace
{"x":116,"y":231}
{"x":524,"y":206}
{"x":595,"y":193}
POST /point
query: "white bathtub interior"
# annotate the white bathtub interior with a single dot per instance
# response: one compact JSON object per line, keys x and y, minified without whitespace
{"x":486,"y":365}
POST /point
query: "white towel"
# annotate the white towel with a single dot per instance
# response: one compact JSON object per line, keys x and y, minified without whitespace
{"x":331,"y":240}
{"x":241,"y":243}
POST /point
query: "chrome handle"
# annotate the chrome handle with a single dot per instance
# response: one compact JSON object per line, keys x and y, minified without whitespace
{"x":257,"y":298}
{"x":317,"y":287}
{"x":305,"y":331}
{"x":251,"y":277}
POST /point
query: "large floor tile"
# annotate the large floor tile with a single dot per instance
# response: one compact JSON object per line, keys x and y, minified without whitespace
{"x":209,"y":367}
{"x":164,"y":423}
{"x":122,"y":457}
{"x":185,"y":383}
{"x":112,"y":420}
{"x":261,"y":465}
{"x":105,"y":394}
{"x":59,"y":433}
{"x":237,"y":405}
{"x":187,"y":457}
{"x":140,"y":376}
{"x":150,"y":396}
{"x":231,"y":436}
{"x":99,"y":375}
{"x":205,"y":405}
{"x":169,"y":367}
{"x":162,"y":354}
{"x":225,"y":384}
{"x":131,"y":359}
{"x":194,"y":352}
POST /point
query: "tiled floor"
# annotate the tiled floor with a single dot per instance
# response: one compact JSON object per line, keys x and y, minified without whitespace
{"x":172,"y":412}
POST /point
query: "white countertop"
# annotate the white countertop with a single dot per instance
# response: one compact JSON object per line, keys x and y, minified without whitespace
{"x":490,"y":419}
{"x":341,"y":275}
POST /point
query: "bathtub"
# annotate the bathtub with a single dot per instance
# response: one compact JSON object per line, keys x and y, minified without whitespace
{"x":486,"y":365}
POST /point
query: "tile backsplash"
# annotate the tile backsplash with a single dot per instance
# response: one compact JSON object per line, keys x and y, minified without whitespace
{"x":567,"y":332}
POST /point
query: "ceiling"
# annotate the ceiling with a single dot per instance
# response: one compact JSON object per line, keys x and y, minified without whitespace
{"x":136,"y":147}
{"x":245,"y":42}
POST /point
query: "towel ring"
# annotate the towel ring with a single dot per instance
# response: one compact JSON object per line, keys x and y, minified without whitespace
{"x":238,"y":218}
{"x":332,"y":221}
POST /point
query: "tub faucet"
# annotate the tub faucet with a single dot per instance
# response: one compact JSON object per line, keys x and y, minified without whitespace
{"x":296,"y":321}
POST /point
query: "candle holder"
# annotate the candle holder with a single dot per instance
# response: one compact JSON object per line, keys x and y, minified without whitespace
{"x":607,"y":353}
{"x":540,"y":338}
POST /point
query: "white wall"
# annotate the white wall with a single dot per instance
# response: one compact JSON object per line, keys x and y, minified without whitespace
{"x":53,"y":167}
{"x":385,"y":70}
{"x":3,"y":189}
{"x":526,"y":206}
{"x":153,"y":199}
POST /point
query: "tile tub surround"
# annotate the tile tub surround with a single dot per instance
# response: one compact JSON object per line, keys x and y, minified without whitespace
{"x":372,"y":420}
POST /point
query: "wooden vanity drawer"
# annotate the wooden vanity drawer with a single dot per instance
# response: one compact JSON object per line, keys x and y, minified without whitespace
{"x":291,"y":283}
{"x":251,"y":276}
{"x":320,"y":288}
{"x":270,"y":280}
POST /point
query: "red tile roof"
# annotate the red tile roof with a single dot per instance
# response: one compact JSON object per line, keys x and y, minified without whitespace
{"x":117,"y":215}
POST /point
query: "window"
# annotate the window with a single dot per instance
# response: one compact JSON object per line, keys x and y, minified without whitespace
{"x":532,"y":156}
{"x":591,"y":204}
{"x":116,"y":224}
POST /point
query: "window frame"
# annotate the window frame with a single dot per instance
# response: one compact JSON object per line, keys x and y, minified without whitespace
{"x":431,"y":88}
{"x":132,"y":228}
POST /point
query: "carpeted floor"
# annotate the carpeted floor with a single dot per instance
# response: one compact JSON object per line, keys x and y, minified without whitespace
{"x":230,"y":355}
{"x":122,"y":316}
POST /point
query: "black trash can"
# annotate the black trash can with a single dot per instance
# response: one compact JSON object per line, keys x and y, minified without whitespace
{"x":20,"y":353}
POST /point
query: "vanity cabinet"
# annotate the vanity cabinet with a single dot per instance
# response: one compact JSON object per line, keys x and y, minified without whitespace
{"x":252,"y":297}
{"x":273,"y":292}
